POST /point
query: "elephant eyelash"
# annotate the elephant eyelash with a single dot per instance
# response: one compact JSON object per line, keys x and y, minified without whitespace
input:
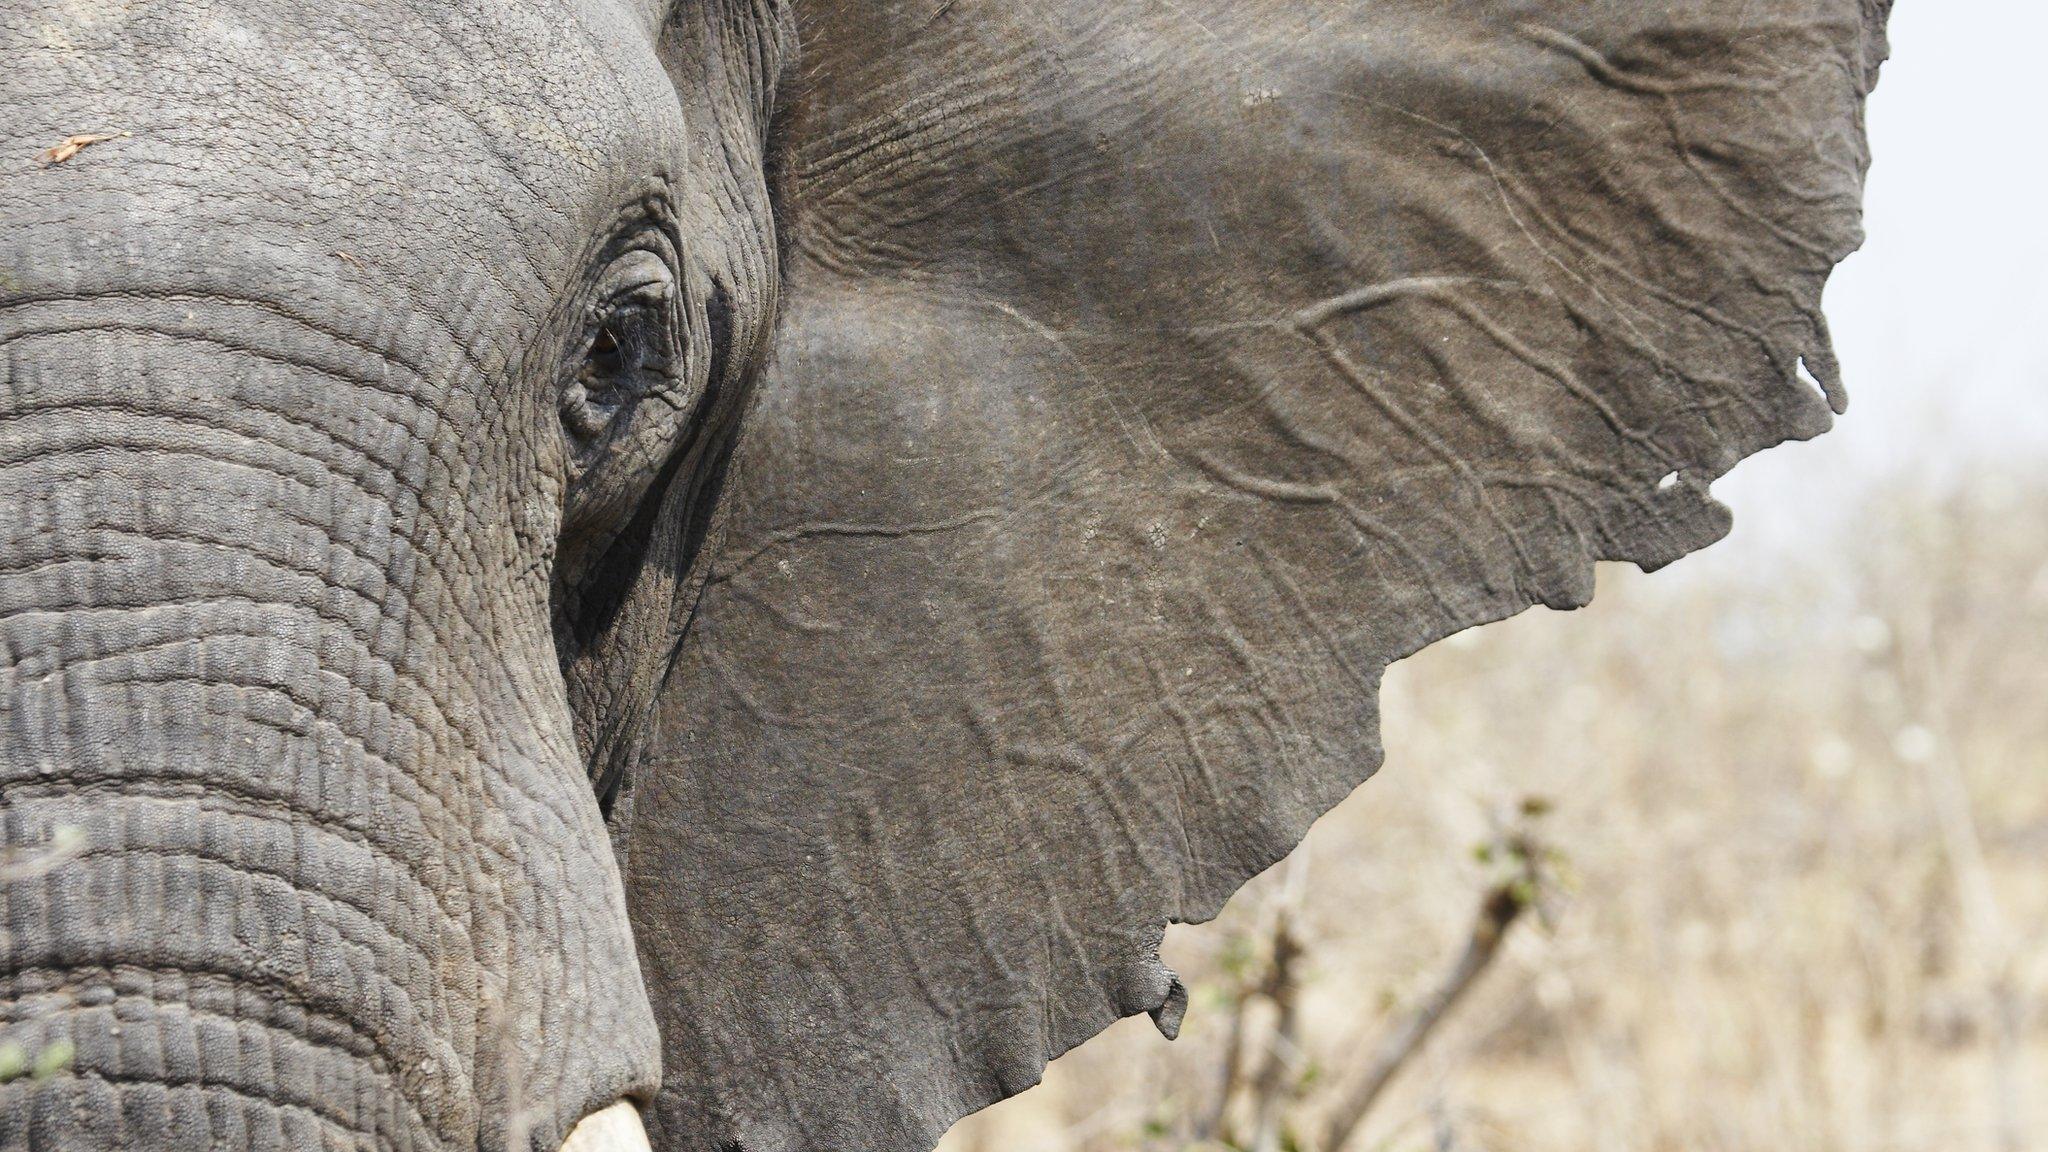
{"x":624,"y":348}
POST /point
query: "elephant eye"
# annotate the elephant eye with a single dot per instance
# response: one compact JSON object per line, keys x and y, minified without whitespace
{"x":629,"y":346}
{"x":605,"y":356}
{"x":603,"y":384}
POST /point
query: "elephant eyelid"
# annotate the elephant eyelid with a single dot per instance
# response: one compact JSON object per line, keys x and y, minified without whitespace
{"x":637,"y":276}
{"x":647,"y":297}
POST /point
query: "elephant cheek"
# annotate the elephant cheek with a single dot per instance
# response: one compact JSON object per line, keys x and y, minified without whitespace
{"x":299,"y":854}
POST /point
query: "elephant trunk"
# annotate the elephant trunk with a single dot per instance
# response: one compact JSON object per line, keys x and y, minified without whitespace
{"x":265,"y":875}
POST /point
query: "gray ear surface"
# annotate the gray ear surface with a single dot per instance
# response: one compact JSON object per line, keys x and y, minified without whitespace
{"x":1150,"y":376}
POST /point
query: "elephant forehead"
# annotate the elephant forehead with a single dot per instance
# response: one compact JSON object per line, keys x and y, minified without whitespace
{"x":388,"y":129}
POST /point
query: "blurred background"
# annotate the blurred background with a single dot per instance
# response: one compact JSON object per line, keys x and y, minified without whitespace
{"x":1751,"y":854}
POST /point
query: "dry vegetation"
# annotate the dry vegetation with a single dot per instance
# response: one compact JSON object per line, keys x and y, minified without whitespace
{"x":1795,"y":894}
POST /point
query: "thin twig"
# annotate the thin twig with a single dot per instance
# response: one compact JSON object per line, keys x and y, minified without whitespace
{"x":1503,"y":905}
{"x":1210,"y":1123}
{"x":1270,"y":1088}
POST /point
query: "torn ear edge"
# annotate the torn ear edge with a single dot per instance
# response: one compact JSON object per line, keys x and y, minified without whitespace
{"x":1173,"y":1007}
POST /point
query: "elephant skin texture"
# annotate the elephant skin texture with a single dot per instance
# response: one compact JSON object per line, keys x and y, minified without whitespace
{"x":742,"y":560}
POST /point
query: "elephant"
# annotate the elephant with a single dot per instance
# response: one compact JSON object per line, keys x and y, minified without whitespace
{"x":712,"y":574}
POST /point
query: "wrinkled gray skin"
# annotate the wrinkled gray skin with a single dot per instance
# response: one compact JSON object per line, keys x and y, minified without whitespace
{"x":873,"y":508}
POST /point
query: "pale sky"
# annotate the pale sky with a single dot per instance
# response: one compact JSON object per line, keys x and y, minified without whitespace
{"x":1942,"y":319}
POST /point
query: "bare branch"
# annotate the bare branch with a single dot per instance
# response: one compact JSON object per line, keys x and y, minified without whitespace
{"x":1498,"y":911}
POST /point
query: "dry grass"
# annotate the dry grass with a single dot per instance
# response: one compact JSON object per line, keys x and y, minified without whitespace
{"x":1804,"y":897}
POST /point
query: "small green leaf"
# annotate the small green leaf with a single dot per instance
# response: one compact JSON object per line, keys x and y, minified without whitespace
{"x":54,"y":1058}
{"x":13,"y":1061}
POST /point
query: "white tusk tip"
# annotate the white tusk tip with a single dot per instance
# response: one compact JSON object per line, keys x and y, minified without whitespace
{"x":613,"y":1129}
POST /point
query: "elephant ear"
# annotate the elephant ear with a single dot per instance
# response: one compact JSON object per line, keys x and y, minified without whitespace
{"x":1151,"y":374}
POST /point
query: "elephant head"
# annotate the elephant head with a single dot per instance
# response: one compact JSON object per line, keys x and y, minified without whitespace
{"x":743,"y":559}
